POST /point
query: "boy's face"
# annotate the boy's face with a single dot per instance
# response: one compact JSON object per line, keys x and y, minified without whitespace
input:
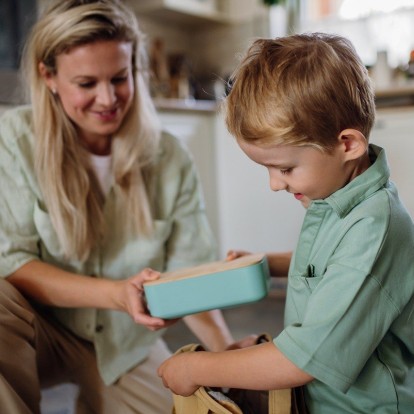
{"x":307,"y":173}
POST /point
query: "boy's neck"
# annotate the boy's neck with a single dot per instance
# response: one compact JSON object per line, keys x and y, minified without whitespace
{"x":361,"y":164}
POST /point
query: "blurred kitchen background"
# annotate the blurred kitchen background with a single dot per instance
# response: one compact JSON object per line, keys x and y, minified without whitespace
{"x":193,"y":46}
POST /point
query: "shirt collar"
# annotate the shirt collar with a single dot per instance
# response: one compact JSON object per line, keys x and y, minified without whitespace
{"x":361,"y":187}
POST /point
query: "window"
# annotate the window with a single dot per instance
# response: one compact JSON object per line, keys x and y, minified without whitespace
{"x":372,"y":25}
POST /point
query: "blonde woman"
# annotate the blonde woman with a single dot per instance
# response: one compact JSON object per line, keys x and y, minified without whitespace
{"x":95,"y":200}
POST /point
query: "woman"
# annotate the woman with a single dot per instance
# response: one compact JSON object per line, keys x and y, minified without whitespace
{"x":93,"y":198}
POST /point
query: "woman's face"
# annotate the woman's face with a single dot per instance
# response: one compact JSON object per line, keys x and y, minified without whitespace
{"x":94,"y":83}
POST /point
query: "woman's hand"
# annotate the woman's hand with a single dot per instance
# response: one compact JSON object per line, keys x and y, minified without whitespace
{"x":131,"y":300}
{"x":52,"y":286}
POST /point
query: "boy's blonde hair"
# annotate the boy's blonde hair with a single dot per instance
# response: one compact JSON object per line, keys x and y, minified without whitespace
{"x":70,"y":189}
{"x":300,"y":90}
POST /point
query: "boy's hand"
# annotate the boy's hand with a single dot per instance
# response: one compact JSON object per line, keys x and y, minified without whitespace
{"x":234,"y":254}
{"x":175,"y":373}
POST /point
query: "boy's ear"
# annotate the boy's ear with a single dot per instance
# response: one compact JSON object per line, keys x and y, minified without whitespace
{"x":353,"y":143}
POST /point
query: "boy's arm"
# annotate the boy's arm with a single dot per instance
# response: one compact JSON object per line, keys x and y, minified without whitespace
{"x":278,"y":262}
{"x":260,"y":367}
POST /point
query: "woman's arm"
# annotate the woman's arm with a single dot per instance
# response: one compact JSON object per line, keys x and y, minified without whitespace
{"x":211,"y":329}
{"x":52,"y":286}
{"x":260,"y":367}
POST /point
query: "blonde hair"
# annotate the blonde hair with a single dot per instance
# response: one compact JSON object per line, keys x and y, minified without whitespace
{"x":71,"y":193}
{"x":299,"y":90}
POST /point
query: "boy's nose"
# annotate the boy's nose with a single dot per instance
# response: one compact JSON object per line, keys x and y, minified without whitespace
{"x":276,"y":183}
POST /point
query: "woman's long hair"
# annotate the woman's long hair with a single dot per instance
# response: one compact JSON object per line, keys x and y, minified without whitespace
{"x":69,"y":187}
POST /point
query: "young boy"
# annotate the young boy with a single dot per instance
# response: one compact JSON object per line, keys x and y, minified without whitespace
{"x":303,"y":107}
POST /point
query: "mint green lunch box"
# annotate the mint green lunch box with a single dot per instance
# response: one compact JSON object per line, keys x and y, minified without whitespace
{"x":216,"y":285}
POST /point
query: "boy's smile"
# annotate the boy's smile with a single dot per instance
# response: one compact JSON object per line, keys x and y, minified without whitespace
{"x":303,"y":199}
{"x":305,"y":171}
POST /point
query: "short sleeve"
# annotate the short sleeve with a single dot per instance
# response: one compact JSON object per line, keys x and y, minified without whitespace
{"x":349,"y":308}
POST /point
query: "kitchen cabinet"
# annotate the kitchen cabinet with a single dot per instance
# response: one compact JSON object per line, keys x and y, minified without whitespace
{"x":252,"y":217}
{"x":242,"y":209}
{"x":196,"y":130}
{"x":244,"y":212}
{"x":393,"y":131}
{"x":196,"y":11}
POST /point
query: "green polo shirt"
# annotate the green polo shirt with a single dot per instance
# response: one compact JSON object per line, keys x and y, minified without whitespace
{"x":182,"y":238}
{"x":349,"y":318}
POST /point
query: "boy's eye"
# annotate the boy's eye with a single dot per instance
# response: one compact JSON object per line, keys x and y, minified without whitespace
{"x":286,"y":171}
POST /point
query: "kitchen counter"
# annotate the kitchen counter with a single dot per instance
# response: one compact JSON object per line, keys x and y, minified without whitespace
{"x":187,"y":105}
{"x":397,"y":94}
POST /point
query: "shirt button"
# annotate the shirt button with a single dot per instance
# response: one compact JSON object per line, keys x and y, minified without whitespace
{"x":99,"y":328}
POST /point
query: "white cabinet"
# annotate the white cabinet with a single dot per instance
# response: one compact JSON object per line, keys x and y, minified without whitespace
{"x":394,"y":132}
{"x":251,"y":216}
{"x":243,"y":211}
{"x":205,"y":9}
{"x":188,"y":11}
{"x":197,"y":130}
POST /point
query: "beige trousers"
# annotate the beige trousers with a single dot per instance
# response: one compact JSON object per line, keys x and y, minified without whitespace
{"x":36,"y":352}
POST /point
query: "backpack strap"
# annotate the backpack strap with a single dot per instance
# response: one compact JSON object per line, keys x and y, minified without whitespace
{"x":280,"y":401}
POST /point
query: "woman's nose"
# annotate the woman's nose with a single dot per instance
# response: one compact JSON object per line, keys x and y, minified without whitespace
{"x":106,"y":94}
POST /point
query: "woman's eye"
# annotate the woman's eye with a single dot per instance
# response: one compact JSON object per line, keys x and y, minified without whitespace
{"x":119,"y":79}
{"x":87,"y":85}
